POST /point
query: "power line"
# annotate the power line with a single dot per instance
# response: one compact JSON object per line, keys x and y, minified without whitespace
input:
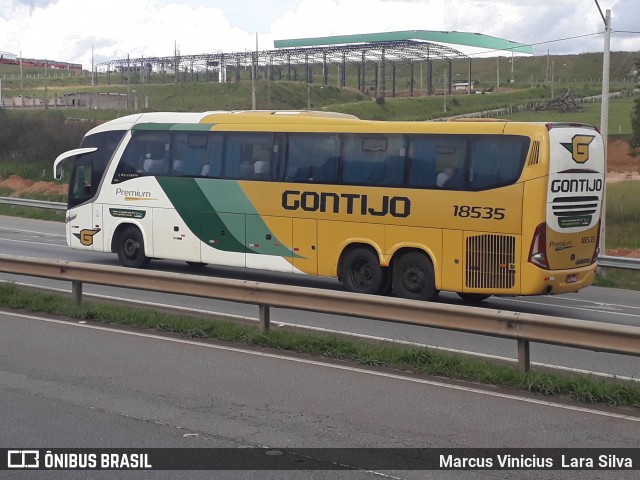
{"x":546,"y":42}
{"x":534,"y":44}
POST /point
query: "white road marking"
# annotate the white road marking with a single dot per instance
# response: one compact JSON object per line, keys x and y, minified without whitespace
{"x":43,"y":234}
{"x":348,"y":368}
{"x":569,"y":307}
{"x":64,"y":245}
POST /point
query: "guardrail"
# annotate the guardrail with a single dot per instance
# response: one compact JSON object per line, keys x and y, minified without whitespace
{"x":627,"y":263}
{"x":606,"y":261}
{"x":28,"y":202}
{"x":522,"y":327}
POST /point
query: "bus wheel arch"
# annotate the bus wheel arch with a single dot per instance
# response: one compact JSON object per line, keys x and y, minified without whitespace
{"x":128,"y":243}
{"x":359,"y":270}
{"x":413,"y":275}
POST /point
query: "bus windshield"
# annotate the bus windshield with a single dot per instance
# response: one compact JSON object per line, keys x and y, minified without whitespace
{"x":89,"y":168}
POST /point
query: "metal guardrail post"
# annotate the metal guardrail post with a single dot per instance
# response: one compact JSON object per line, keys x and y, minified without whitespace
{"x":524,"y":356}
{"x":264,"y":314}
{"x":76,"y":292}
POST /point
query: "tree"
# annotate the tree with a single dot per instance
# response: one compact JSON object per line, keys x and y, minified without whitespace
{"x":635,"y":128}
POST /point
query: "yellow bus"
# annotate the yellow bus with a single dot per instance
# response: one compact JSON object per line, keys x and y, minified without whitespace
{"x":478,"y":208}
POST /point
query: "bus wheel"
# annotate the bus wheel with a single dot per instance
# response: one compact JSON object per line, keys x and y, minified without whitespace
{"x":130,"y":248}
{"x":473,"y":297}
{"x":360,"y":272}
{"x":413,"y":277}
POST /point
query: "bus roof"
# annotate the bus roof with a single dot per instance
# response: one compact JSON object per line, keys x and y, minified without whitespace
{"x":282,"y":120}
{"x":226,"y":117}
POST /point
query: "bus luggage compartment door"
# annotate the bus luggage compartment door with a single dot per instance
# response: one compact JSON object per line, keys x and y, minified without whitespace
{"x":172,"y":238}
{"x":305,"y":246}
{"x":269,"y":242}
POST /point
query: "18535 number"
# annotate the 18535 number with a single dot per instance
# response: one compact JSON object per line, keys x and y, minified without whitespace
{"x":489,"y":213}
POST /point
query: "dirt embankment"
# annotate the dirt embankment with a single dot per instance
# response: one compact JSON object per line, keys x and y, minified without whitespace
{"x":621,"y":165}
{"x":20,"y":187}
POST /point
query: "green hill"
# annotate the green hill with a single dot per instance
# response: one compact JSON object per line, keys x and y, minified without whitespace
{"x":198,"y":91}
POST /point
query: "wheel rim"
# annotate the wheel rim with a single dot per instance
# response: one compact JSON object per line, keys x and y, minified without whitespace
{"x":413,"y":279}
{"x":362,"y":273}
{"x":130,"y":248}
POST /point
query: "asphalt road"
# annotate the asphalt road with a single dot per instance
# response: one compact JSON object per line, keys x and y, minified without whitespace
{"x":74,"y":385}
{"x":23,"y":237}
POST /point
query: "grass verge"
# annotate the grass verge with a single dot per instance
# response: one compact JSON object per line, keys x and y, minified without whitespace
{"x":582,"y":388}
{"x":31,"y":212}
{"x":618,"y":278}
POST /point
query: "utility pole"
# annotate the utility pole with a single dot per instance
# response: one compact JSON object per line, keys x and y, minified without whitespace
{"x":254,"y":72}
{"x":176,"y":64}
{"x":512,"y":62}
{"x":604,"y":116}
{"x":92,"y":67}
{"x":445,"y":90}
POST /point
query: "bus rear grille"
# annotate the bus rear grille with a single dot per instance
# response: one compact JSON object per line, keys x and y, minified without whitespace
{"x":572,"y":206}
{"x":490,"y":261}
{"x":534,"y":156}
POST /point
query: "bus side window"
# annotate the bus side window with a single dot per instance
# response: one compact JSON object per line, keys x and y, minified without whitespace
{"x":497,"y":160}
{"x":212,"y":161}
{"x":312,"y":157}
{"x":421,"y":155}
{"x":81,"y":183}
{"x":247,"y":156}
{"x":189,"y":150}
{"x":146,"y":154}
{"x":373,"y":159}
{"x":453,"y":171}
{"x":485,"y":162}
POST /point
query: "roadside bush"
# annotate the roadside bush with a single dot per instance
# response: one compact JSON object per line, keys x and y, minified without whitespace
{"x":38,"y":137}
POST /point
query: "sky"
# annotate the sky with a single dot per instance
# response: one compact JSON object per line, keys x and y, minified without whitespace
{"x":69,"y":30}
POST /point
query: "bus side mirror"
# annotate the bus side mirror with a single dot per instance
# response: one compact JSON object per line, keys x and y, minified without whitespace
{"x":58,"y":172}
{"x":57,"y":164}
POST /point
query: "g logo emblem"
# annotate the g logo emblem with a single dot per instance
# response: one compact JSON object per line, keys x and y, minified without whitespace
{"x":86,"y":236}
{"x":579,"y":147}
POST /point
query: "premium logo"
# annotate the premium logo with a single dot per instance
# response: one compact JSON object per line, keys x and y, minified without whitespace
{"x":133,"y":195}
{"x":86,"y":236}
{"x":579,"y":147}
{"x":559,"y":246}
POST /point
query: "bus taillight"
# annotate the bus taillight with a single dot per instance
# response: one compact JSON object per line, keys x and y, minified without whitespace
{"x":538,"y":250}
{"x":596,"y":251}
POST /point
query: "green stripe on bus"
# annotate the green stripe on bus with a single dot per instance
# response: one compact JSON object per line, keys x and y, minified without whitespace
{"x":228,"y":196}
{"x":196,"y":211}
{"x":216,"y":211}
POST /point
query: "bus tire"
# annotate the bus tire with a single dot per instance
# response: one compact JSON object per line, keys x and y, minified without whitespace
{"x":413,"y":277}
{"x":130,"y":248}
{"x":360,"y":272}
{"x":473,"y":297}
